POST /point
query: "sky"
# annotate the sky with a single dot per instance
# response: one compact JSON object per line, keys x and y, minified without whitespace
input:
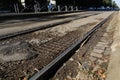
{"x":118,"y":2}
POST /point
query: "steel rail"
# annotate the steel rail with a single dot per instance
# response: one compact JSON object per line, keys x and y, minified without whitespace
{"x":40,"y":27}
{"x":60,"y":60}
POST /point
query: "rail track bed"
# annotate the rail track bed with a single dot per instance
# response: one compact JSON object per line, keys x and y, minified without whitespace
{"x":24,"y":55}
{"x":26,"y":26}
{"x":82,"y":65}
{"x":42,"y":53}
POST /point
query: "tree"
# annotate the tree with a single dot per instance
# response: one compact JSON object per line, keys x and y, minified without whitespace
{"x":9,"y":4}
{"x":114,"y":5}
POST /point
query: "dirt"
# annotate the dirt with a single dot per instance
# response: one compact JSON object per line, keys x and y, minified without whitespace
{"x":114,"y":64}
{"x":80,"y":66}
{"x":42,"y":54}
{"x":40,"y":43}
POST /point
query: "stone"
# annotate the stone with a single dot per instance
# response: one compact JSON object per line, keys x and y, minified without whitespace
{"x":96,"y":55}
{"x":77,"y":51}
{"x":85,"y":66}
{"x":92,"y":58}
{"x":100,"y":61}
{"x":105,"y":35}
{"x":69,"y":77}
{"x":98,"y":50}
{"x":110,"y":41}
{"x":102,"y":45}
{"x":95,"y":68}
{"x":71,"y":59}
{"x":107,"y":51}
{"x":103,"y":39}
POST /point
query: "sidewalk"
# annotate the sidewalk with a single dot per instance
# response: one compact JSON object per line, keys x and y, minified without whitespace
{"x":114,"y":64}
